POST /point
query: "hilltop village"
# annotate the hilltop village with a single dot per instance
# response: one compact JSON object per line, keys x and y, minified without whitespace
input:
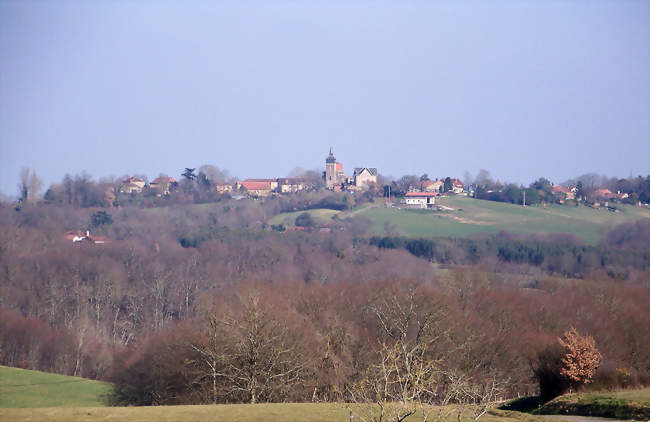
{"x":333,"y":178}
{"x":420,"y":194}
{"x":209,"y":184}
{"x":409,"y":191}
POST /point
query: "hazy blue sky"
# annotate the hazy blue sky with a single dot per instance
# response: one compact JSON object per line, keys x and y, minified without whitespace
{"x":521,"y":88}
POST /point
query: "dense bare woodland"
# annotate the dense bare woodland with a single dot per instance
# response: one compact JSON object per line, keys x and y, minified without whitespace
{"x":202,"y":303}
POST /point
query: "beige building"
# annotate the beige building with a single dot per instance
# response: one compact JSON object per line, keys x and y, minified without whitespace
{"x":223,"y":187}
{"x":132,"y":185}
{"x":432,"y":185}
{"x":161,"y":185}
{"x":258,"y":187}
{"x":563,"y":193}
{"x":457,"y":186}
{"x":364,"y":176}
{"x":288,"y":185}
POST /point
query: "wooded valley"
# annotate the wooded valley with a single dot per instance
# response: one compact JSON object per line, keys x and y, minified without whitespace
{"x":204,"y":303}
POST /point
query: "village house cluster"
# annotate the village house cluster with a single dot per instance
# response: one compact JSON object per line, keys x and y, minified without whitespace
{"x":564,"y":193}
{"x":420,"y":195}
{"x":600,"y":197}
{"x":161,"y":186}
{"x":266,"y":187}
{"x":333,"y":177}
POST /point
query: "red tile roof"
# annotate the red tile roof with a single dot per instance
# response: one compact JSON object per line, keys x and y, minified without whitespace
{"x":158,"y":180}
{"x":603,"y":193}
{"x":132,"y":180}
{"x":254,"y":185}
{"x":563,"y":189}
{"x":420,"y":194}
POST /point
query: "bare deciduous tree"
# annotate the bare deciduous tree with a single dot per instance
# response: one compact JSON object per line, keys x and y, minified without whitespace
{"x":211,"y":355}
{"x":405,"y":369}
{"x":483,"y":178}
{"x":214,"y":174}
{"x":29,"y":186}
{"x":472,"y":398}
{"x":252,"y":355}
{"x":467,"y":178}
{"x":410,"y":373}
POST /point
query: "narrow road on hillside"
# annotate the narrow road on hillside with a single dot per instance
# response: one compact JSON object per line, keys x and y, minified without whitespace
{"x":355,"y":212}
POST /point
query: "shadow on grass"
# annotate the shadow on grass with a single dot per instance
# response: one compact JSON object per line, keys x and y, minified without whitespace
{"x":524,"y":404}
{"x":581,"y":405}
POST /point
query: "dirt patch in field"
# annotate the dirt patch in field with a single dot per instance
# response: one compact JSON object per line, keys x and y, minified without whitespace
{"x":466,"y":220}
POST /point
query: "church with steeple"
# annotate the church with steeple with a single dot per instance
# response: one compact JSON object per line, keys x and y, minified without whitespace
{"x":335,"y":179}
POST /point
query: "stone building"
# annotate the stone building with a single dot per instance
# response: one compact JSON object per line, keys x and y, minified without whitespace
{"x":364,"y":176}
{"x":331,"y":173}
{"x":336,"y":180}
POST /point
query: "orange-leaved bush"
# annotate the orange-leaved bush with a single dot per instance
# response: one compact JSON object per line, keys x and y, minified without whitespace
{"x":581,"y":357}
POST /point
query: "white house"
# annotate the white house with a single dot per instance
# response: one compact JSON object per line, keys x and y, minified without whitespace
{"x":421,"y":199}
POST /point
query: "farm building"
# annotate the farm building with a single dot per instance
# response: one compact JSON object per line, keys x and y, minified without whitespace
{"x":420,"y":199}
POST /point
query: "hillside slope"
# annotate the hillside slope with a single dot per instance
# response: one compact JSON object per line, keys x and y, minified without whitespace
{"x":632,"y":404}
{"x":24,"y":388}
{"x":466,"y":216}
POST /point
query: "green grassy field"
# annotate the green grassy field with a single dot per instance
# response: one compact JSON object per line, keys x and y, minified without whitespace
{"x":23,"y":388}
{"x":321,"y":215}
{"x":38,"y":396}
{"x":471,"y":216}
{"x":467,"y":216}
{"x":632,"y":404}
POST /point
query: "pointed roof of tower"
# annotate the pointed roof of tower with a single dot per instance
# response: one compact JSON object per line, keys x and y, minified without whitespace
{"x":330,"y":158}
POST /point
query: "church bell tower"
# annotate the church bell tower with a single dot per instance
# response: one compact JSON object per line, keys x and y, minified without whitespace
{"x":330,"y":171}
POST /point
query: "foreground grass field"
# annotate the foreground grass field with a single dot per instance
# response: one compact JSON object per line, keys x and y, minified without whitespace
{"x":468,"y":216}
{"x":23,"y":388}
{"x":273,"y":412}
{"x":39,"y":397}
